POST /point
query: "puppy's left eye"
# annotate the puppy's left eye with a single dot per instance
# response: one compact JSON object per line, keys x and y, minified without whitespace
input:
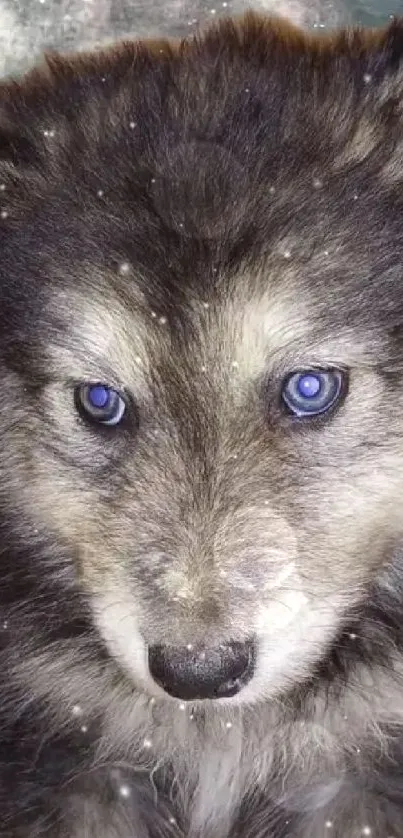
{"x":312,"y":392}
{"x":100,"y":403}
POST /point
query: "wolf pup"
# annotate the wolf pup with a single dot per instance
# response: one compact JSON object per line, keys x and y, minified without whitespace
{"x":201,"y":438}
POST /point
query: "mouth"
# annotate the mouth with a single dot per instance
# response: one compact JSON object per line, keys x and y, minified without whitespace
{"x":200,"y":672}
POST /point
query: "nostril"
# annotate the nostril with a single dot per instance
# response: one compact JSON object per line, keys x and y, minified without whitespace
{"x":200,"y":672}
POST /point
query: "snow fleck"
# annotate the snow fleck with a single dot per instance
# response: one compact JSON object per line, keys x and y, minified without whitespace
{"x":162,"y":320}
{"x":352,"y":636}
{"x":367,"y":78}
{"x":5,"y":624}
{"x":329,"y":824}
{"x":235,"y":365}
{"x":152,"y":701}
{"x":228,"y":725}
{"x":203,"y":369}
{"x":182,"y":705}
{"x":317,"y":183}
{"x":77,"y":710}
{"x":147,"y":744}
{"x":189,"y":647}
{"x":287,"y":254}
{"x":213,"y":11}
{"x":355,"y":196}
{"x":153,"y":315}
{"x":367,"y":830}
{"x":124,"y":791}
{"x":100,"y":193}
{"x":50,"y":133}
{"x":137,"y":359}
{"x":124,"y":268}
{"x":206,"y":305}
{"x":132,"y":124}
{"x":4,"y":214}
{"x":2,"y":187}
{"x":84,"y":728}
{"x":172,"y":819}
{"x":272,"y":190}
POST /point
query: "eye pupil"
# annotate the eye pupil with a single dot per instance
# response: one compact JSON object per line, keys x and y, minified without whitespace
{"x":98,"y":396}
{"x":309,"y":386}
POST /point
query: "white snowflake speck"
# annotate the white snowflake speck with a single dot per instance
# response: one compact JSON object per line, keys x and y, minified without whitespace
{"x":366,"y":830}
{"x":77,"y":710}
{"x":100,"y":193}
{"x":228,"y":725}
{"x":4,"y":214}
{"x":147,"y":744}
{"x":124,"y":268}
{"x":182,"y":706}
{"x":124,"y":791}
{"x":367,"y":78}
{"x":329,"y":824}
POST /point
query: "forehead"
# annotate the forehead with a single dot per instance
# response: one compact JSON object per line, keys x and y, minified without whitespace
{"x":247,"y":326}
{"x":232,"y":189}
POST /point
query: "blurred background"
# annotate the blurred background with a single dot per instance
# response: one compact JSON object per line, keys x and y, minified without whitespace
{"x":27,"y":27}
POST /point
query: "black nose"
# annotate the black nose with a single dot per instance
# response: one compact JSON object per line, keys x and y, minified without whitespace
{"x":201,"y":672}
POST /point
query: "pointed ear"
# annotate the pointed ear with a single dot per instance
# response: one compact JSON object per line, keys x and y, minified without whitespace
{"x":388,"y":52}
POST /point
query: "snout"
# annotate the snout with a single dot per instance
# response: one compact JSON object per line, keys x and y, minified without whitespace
{"x":202,"y":672}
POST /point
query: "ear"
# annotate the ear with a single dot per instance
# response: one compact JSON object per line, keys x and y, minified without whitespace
{"x":385,"y":49}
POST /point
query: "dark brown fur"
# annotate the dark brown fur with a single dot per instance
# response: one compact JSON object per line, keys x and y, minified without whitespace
{"x":190,"y":222}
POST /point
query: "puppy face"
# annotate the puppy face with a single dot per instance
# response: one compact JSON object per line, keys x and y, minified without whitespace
{"x":205,"y":286}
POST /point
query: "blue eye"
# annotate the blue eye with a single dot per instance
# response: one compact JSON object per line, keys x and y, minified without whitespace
{"x":312,"y":392}
{"x":100,"y":403}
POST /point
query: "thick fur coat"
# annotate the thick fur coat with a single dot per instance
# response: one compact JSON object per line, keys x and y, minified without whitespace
{"x":190,"y":223}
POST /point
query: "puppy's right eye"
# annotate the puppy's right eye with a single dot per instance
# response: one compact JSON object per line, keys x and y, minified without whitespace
{"x":310,"y":393}
{"x":100,"y":403}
